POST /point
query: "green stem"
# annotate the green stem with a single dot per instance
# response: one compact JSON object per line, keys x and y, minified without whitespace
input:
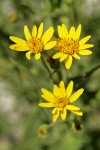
{"x":47,"y":68}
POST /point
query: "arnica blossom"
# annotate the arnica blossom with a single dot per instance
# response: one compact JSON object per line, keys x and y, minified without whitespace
{"x":34,"y":43}
{"x":69,"y":45}
{"x":61,"y":100}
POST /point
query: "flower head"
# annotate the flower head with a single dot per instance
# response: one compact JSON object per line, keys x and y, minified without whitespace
{"x":43,"y":130}
{"x":69,"y":45}
{"x":34,"y":43}
{"x":61,"y":100}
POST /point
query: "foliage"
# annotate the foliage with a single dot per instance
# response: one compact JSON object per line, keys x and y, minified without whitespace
{"x":23,"y":124}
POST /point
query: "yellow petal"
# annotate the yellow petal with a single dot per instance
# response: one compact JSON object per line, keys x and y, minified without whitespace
{"x":17,"y":40}
{"x":69,"y":89}
{"x":47,"y":94}
{"x":48,"y":98}
{"x":79,"y":113}
{"x":72,"y":33}
{"x":54,"y":111}
{"x":76,"y":56}
{"x":40,"y":30}
{"x":50,"y":45}
{"x":37,"y":56}
{"x":78,"y":32}
{"x":63,"y":57}
{"x":34,"y":31}
{"x":19,"y":48}
{"x":69,"y":62}
{"x":55,"y":116}
{"x":76,"y":95}
{"x":85,"y":52}
{"x":85,"y":46}
{"x":84,"y":40}
{"x":65,"y":31}
{"x":13,"y":46}
{"x":57,"y":55}
{"x":47,"y":35}
{"x":63,"y":114}
{"x":28,"y":54}
{"x":55,"y":90}
{"x":27,"y":33}
{"x":71,"y":107}
{"x":62,"y":89}
{"x":46,"y":104}
{"x":60,"y":32}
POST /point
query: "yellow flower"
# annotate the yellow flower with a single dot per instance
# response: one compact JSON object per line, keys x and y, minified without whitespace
{"x":61,"y":100}
{"x":34,"y":43}
{"x":69,"y":46}
{"x":43,"y":130}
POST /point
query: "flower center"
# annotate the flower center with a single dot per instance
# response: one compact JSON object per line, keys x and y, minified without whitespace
{"x":35,"y":44}
{"x":61,"y":102}
{"x":69,"y":46}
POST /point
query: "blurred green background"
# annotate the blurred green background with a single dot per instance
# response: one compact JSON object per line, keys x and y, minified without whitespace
{"x":24,"y":125}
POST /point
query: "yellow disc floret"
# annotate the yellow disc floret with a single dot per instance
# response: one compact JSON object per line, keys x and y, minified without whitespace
{"x":61,"y":102}
{"x":70,"y":46}
{"x":35,"y":45}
